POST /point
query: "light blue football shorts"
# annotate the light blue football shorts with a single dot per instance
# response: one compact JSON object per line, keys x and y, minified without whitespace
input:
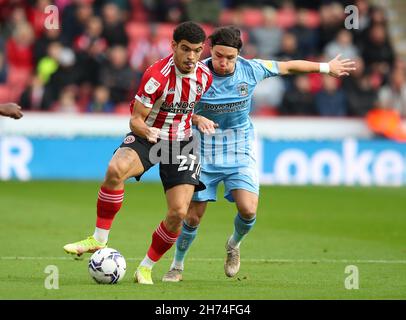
{"x":245,"y":177}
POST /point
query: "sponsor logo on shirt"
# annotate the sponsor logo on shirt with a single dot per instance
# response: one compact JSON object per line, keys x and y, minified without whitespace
{"x":178,"y":107}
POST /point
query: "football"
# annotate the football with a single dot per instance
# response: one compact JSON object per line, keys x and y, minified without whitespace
{"x":107,"y":266}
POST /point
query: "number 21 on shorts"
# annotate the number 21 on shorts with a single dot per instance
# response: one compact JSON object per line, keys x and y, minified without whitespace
{"x":183,"y":163}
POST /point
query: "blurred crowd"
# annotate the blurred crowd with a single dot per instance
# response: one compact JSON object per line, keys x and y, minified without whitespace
{"x":94,"y":60}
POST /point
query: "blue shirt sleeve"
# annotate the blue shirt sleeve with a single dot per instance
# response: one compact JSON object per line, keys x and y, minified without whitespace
{"x":264,"y":69}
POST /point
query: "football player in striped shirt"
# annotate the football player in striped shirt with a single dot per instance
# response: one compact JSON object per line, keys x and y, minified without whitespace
{"x":227,"y":104}
{"x":161,"y":132}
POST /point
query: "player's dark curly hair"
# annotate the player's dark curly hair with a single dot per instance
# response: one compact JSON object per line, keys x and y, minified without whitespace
{"x":226,"y":36}
{"x":189,"y":31}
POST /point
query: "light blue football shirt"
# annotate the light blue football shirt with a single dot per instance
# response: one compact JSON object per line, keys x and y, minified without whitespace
{"x":228,"y":103}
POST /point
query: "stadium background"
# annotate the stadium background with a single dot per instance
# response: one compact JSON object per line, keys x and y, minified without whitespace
{"x":75,"y":83}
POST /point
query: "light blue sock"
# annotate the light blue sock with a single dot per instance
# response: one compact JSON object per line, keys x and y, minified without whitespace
{"x":183,"y":243}
{"x":241,"y":228}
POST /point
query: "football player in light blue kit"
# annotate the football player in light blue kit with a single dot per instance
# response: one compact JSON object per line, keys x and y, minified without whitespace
{"x":227,"y":150}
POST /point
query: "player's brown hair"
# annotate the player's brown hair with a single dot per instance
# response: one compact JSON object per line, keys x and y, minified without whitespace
{"x":189,"y":31}
{"x":229,"y":36}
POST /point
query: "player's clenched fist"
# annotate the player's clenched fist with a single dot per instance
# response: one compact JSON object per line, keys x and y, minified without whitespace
{"x":204,"y":125}
{"x":152,"y":134}
{"x":11,"y":110}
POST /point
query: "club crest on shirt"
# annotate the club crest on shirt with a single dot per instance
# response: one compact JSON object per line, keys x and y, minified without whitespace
{"x":199,"y":89}
{"x":242,"y":89}
{"x":129,"y":139}
{"x":151,"y":86}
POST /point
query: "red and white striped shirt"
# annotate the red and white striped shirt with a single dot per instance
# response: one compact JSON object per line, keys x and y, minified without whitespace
{"x":172,"y":96}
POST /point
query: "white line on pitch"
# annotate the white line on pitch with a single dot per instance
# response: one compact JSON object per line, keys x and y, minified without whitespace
{"x":376,"y":261}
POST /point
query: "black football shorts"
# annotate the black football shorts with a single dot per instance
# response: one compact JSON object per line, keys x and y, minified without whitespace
{"x":179,"y":161}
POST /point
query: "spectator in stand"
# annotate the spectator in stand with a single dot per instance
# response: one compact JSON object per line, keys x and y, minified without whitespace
{"x":101,"y":101}
{"x":113,"y":25}
{"x":289,"y":49}
{"x":75,"y":15}
{"x":36,"y":97}
{"x":393,"y":95}
{"x":90,"y":49}
{"x":67,"y":101}
{"x":49,"y":64}
{"x":117,"y":75}
{"x":148,"y":51}
{"x":36,"y":16}
{"x":267,"y":38}
{"x":378,"y":16}
{"x":342,"y":44}
{"x":167,"y":10}
{"x":67,"y":73}
{"x":288,"y":52}
{"x":360,"y":92}
{"x":19,"y":47}
{"x":3,"y":68}
{"x":306,"y":37}
{"x":299,"y":100}
{"x":17,"y":17}
{"x":331,"y":22}
{"x":331,"y":100}
{"x":61,"y":4}
{"x":123,"y":5}
{"x":364,"y":21}
{"x":41,"y":45}
{"x":204,"y":11}
{"x":377,"y":50}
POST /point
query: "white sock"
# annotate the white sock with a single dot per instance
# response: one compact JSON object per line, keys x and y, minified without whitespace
{"x":177,"y":265}
{"x":232,"y":243}
{"x":101,"y":235}
{"x":147,"y":262}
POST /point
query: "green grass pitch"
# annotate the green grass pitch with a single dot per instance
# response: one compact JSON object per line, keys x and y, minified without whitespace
{"x":299,"y":248}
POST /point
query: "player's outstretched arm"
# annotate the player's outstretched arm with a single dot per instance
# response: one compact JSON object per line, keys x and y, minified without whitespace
{"x":336,"y":67}
{"x":138,"y":125}
{"x":11,"y":110}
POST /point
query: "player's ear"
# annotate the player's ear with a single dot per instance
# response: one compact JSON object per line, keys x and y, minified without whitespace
{"x":174,"y":44}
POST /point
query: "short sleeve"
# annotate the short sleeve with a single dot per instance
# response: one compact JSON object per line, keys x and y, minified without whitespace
{"x":150,"y":89}
{"x":264,"y":68}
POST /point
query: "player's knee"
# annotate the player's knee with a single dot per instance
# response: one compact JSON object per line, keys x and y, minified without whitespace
{"x":248,"y":210}
{"x":177,"y":214}
{"x":192,"y":220}
{"x":115,"y":173}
